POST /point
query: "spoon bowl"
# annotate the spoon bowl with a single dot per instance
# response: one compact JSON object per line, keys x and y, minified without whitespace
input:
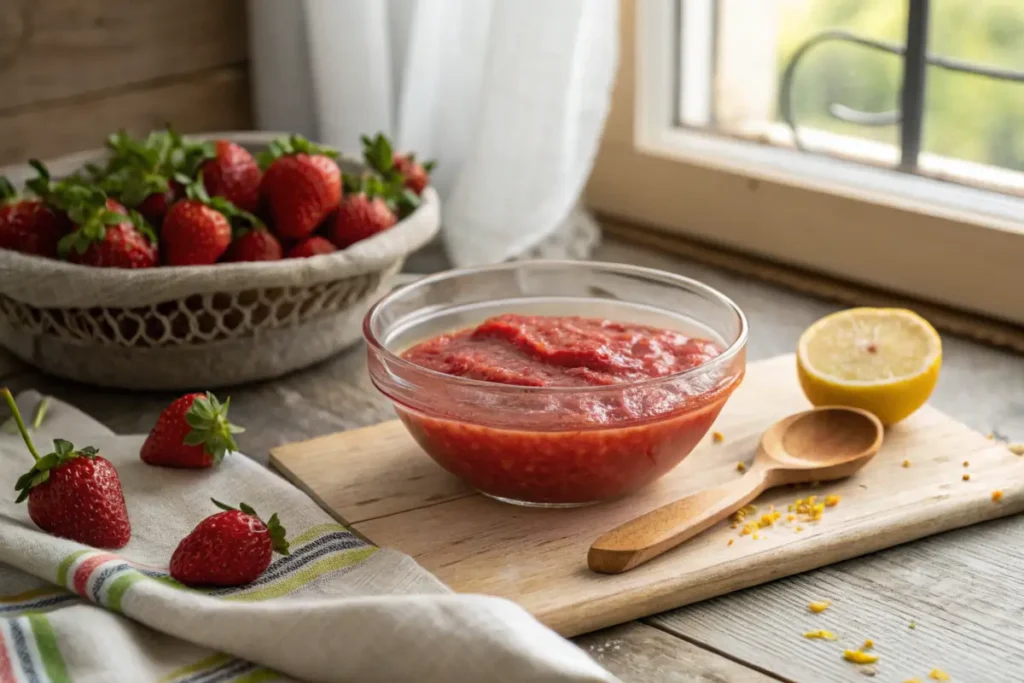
{"x":822,"y":444}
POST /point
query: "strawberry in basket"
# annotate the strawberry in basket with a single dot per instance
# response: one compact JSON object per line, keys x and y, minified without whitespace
{"x":365,"y":210}
{"x":28,"y":225}
{"x":311,"y":246}
{"x":197,"y":230}
{"x":301,"y":185}
{"x":233,"y":174}
{"x":103,"y":233}
{"x":141,"y":173}
{"x":403,"y":168}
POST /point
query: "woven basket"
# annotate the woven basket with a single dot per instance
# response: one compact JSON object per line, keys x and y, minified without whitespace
{"x":199,"y":326}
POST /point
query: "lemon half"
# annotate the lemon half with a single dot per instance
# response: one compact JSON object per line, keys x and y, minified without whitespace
{"x":883,"y":360}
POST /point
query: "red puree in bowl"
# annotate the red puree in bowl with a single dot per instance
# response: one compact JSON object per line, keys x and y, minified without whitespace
{"x":596,"y":441}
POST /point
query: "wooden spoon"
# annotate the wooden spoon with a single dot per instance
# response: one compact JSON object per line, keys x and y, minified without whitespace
{"x":817,"y":445}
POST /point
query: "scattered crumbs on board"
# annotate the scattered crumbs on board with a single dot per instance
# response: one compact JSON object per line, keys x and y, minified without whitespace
{"x":868,"y":644}
{"x":997,"y":496}
{"x":740,"y":467}
{"x":717,"y":437}
{"x":819,"y":606}
{"x":820,"y":635}
{"x":939,"y":675}
{"x":832,"y":501}
{"x":967,"y":463}
{"x":912,"y":680}
{"x":913,"y":624}
{"x":1017,"y":448}
{"x":906,"y":463}
{"x":966,"y":477}
{"x":731,"y":541}
{"x":859,"y":657}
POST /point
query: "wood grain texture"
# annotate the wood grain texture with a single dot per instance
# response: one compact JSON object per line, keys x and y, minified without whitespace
{"x":59,"y":49}
{"x":641,"y":654}
{"x":212,"y":100}
{"x":537,"y":557}
{"x":965,"y":606}
{"x":270,"y":414}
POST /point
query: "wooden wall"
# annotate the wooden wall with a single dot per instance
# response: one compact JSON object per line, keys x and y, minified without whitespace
{"x":72,"y":71}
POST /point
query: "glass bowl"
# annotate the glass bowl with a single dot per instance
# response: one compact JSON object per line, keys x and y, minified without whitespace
{"x":550,"y":446}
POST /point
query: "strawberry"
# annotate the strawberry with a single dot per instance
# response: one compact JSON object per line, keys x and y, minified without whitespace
{"x":192,"y":432}
{"x":362,"y":213}
{"x":234,"y":175}
{"x":197,"y":230}
{"x":139,"y":173}
{"x":73,"y":493}
{"x":417,"y":176}
{"x":229,"y":548}
{"x":398,"y":171}
{"x":254,"y":245}
{"x":301,"y":185}
{"x":105,"y":234}
{"x":311,"y":246}
{"x":28,"y":225}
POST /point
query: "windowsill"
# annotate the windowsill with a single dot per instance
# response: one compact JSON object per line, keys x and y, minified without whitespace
{"x":864,"y":172}
{"x":886,"y":156}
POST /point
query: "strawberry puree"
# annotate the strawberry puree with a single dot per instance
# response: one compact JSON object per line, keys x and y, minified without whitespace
{"x":602,"y":439}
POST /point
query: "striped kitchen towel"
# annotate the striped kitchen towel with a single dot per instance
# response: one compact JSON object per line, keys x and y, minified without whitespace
{"x":336,"y":609}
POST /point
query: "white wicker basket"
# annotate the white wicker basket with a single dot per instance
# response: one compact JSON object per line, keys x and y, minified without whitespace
{"x":200,"y":326}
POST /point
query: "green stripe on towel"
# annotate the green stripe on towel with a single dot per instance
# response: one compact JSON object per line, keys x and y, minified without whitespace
{"x":65,"y":566}
{"x":205,"y":664}
{"x":306,"y":575}
{"x":49,"y":651}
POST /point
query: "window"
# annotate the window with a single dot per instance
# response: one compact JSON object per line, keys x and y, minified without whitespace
{"x":881,"y":141}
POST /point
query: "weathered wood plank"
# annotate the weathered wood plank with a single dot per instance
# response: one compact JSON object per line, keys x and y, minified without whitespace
{"x":640,"y":654}
{"x":213,"y":100}
{"x":962,"y":591}
{"x":57,"y":49}
{"x":271,"y":415}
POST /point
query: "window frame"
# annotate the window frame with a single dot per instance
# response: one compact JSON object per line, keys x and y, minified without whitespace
{"x":930,"y":239}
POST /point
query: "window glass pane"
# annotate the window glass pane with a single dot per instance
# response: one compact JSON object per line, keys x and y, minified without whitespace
{"x":968,"y":116}
{"x":838,"y":72}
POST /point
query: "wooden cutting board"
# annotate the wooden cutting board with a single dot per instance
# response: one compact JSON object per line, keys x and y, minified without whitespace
{"x":380,"y":483}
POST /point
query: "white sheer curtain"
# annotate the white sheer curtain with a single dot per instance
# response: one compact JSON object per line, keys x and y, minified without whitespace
{"x":509,"y":96}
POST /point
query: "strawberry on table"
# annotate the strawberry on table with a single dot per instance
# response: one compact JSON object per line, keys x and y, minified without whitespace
{"x":311,"y":246}
{"x":229,"y":548}
{"x":301,"y":185}
{"x":192,"y":432}
{"x":73,"y":493}
{"x":257,"y":244}
{"x":233,"y":174}
{"x":197,"y":230}
{"x":364,"y":211}
{"x":28,"y":225}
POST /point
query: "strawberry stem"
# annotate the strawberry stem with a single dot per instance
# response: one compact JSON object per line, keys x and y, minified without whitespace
{"x":9,"y":399}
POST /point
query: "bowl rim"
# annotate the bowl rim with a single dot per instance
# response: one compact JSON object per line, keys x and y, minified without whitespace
{"x":708,"y":291}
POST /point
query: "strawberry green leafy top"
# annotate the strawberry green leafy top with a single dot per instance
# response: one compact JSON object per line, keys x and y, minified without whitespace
{"x":211,"y":429}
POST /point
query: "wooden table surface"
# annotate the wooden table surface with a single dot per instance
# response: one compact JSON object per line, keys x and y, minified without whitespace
{"x":961,"y":590}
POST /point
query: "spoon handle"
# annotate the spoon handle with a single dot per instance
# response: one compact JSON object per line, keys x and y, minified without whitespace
{"x":644,"y":538}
